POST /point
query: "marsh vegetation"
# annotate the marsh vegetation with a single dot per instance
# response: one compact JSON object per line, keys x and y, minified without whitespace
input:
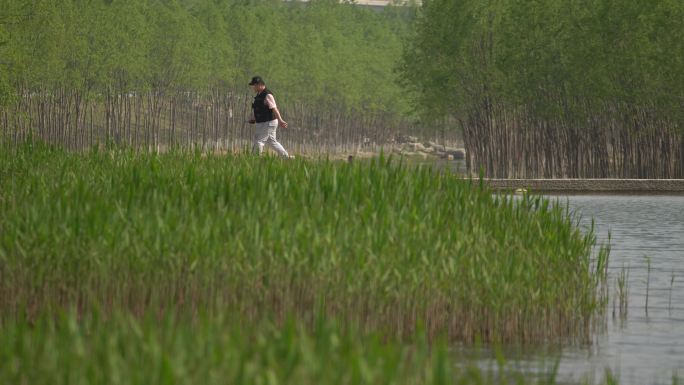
{"x":374,"y":247}
{"x":140,"y":244}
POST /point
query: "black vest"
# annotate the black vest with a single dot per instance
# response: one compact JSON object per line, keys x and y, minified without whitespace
{"x":261,"y":112}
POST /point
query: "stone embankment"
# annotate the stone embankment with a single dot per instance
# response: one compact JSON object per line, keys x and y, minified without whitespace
{"x":598,"y":186}
{"x":412,"y":147}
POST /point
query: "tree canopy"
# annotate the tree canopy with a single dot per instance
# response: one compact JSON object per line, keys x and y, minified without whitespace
{"x":324,"y":52}
{"x":555,"y":87}
{"x":625,"y":51}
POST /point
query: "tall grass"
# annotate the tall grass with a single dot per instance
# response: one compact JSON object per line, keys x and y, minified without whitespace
{"x":214,"y":350}
{"x":377,"y":246}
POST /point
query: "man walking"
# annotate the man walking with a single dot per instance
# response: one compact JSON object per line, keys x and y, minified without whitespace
{"x":266,"y":116}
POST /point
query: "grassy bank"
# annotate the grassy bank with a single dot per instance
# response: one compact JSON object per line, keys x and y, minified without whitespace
{"x":376,"y":246}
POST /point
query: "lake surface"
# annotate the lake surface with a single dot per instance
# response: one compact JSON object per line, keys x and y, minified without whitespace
{"x":645,"y":347}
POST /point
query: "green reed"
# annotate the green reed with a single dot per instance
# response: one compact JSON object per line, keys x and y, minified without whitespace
{"x":377,"y":246}
{"x":122,"y":349}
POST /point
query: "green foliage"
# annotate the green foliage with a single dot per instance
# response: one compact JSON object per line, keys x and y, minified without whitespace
{"x":10,"y":13}
{"x":322,"y":53}
{"x":378,"y":244}
{"x":77,"y":349}
{"x":555,"y":75}
{"x":5,"y":90}
{"x":4,"y":86}
{"x":596,"y":50}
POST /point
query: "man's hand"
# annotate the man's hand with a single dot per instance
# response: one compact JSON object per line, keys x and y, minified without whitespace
{"x":283,"y":124}
{"x":252,"y":121}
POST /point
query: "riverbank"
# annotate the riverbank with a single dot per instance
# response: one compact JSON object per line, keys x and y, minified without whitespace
{"x":452,"y":158}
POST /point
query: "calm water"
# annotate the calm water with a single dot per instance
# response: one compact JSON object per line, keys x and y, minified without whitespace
{"x":645,"y":347}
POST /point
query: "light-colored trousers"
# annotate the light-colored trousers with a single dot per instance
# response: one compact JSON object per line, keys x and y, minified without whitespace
{"x":265,"y":133}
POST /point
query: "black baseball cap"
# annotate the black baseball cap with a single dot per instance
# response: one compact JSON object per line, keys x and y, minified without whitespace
{"x":256,"y":80}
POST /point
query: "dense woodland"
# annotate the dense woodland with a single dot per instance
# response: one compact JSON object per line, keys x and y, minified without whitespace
{"x":154,"y":73}
{"x":590,"y":88}
{"x":556,"y":88}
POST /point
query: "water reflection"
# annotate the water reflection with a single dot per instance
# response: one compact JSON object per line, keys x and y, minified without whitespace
{"x":647,"y":345}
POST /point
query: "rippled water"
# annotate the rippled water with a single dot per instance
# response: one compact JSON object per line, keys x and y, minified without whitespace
{"x":646,"y":347}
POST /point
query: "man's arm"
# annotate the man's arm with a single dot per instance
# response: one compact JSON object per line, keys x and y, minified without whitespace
{"x":276,"y":113}
{"x":270,"y":103}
